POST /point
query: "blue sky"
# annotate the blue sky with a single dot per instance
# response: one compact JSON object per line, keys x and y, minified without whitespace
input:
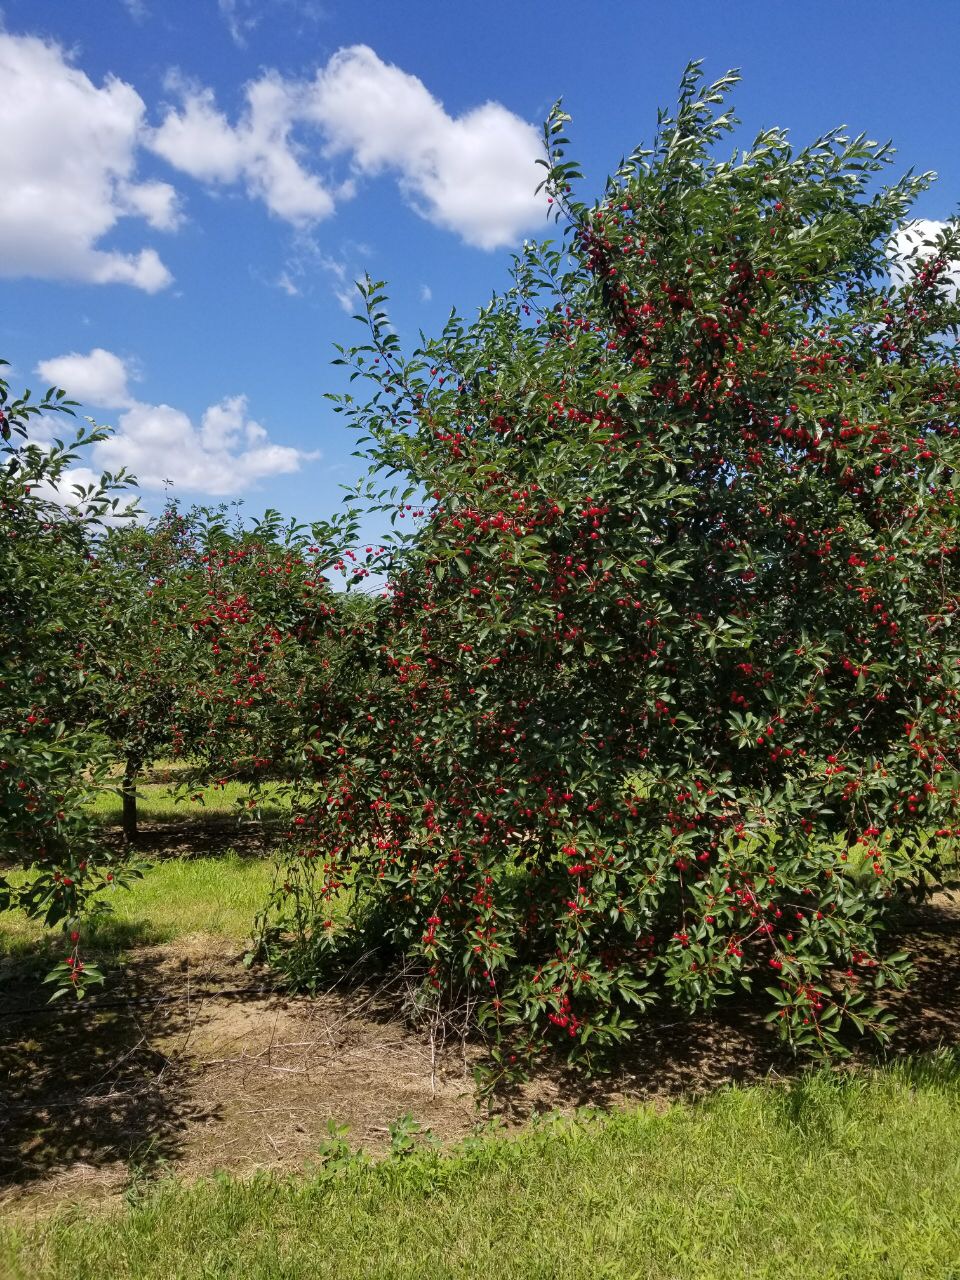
{"x":188,"y":188}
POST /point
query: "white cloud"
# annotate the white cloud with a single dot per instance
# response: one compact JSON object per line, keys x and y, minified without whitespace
{"x":911,"y":245}
{"x":343,"y":281}
{"x":426,"y":293}
{"x":308,"y":262}
{"x":474,"y":174}
{"x":68,"y":159}
{"x":157,"y":202}
{"x":98,"y":378}
{"x":349,"y":299}
{"x":69,"y":150}
{"x":65,"y":494}
{"x":226,"y":454}
{"x":289,"y":286}
{"x":199,"y":140}
{"x":239,"y":23}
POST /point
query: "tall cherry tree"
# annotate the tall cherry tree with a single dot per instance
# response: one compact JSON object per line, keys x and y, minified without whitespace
{"x":666,"y":701}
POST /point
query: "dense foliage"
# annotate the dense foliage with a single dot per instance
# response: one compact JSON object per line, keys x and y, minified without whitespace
{"x":51,"y":757}
{"x":257,"y":606}
{"x":123,"y":641}
{"x":206,"y":628}
{"x":656,"y":695}
{"x":663,"y":702}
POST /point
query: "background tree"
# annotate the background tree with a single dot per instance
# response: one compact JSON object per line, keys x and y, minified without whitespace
{"x":148,"y":579}
{"x":259,"y":609}
{"x":207,"y":629}
{"x":666,"y":701}
{"x":123,"y":642}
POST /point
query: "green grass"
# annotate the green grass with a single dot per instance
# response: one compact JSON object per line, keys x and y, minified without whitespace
{"x":833,"y":1177}
{"x":219,"y":896}
{"x":157,"y":802}
{"x":837,"y":1177}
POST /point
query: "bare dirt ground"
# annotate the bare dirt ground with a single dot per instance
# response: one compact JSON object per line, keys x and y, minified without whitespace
{"x":189,"y":1063}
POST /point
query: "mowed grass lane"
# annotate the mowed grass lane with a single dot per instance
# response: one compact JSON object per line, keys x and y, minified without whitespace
{"x":834,"y":1176}
{"x":178,"y":895}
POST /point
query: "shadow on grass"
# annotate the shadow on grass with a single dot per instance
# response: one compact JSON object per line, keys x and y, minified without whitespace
{"x":818,"y":1103}
{"x":110,"y":1082}
{"x":192,"y":835}
{"x":99,"y":1083}
{"x":675,"y":1056}
{"x":927,"y":1012}
{"x":108,"y":936}
{"x":191,"y":815}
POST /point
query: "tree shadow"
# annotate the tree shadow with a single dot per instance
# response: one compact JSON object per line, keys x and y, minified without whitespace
{"x":672,"y":1056}
{"x":98,"y":1083}
{"x":24,"y":956}
{"x":195,"y":837}
{"x":112,"y":1083}
{"x":927,"y":1011}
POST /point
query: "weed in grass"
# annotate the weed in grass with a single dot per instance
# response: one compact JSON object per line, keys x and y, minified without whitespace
{"x":404,"y":1133}
{"x":146,"y":1166}
{"x":335,"y":1154}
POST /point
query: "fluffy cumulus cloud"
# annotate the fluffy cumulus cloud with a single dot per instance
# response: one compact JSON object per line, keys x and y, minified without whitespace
{"x":99,"y":378}
{"x":473,"y":174}
{"x":73,"y":487}
{"x":198,"y":139}
{"x":68,"y":151}
{"x":226,"y":453}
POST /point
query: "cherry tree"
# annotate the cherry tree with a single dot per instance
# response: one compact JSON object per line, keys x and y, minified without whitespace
{"x":663,"y":704}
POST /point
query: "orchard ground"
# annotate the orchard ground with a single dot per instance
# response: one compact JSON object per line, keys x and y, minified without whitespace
{"x":189,"y":1063}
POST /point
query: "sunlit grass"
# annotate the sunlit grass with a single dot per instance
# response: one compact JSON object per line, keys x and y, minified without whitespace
{"x":180,"y":894}
{"x":836,"y":1177}
{"x":160,"y":802}
{"x":218,"y":895}
{"x":176,"y":897}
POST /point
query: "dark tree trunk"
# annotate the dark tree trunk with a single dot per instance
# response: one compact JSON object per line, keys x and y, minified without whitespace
{"x":129,"y":794}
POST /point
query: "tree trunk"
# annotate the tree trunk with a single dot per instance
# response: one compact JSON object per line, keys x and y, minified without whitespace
{"x":128,"y":791}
